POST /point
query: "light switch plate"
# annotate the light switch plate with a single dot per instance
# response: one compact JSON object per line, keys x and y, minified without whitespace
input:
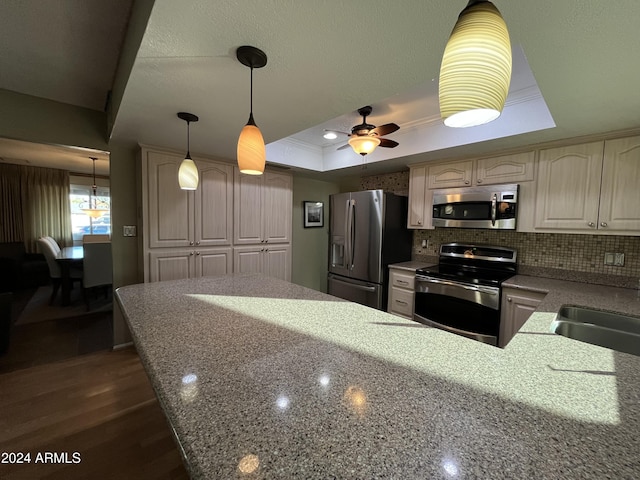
{"x":609,"y":258}
{"x":129,"y":231}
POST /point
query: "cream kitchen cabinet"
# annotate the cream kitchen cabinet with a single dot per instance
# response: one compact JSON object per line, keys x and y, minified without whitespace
{"x":176,"y":224}
{"x":175,"y":264}
{"x":420,"y":196}
{"x":182,"y":218}
{"x":516,"y":308}
{"x":271,"y":260}
{"x":590,"y":187}
{"x":262,"y":208}
{"x":401,"y":292}
{"x":514,"y":168}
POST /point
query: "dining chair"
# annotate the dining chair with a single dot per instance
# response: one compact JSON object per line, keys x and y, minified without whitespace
{"x":50,"y":248}
{"x":98,"y":268}
{"x":96,"y":237}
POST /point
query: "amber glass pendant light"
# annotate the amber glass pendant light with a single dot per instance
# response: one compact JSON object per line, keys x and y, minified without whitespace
{"x":188,"y":172}
{"x":476,"y":67}
{"x":252,"y":154}
{"x":93,"y":211}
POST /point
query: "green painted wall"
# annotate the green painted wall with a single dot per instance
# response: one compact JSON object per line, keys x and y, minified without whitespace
{"x":310,"y":246}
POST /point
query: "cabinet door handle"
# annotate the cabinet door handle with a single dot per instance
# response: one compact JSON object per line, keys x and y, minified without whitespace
{"x":190,"y":243}
{"x":190,"y":253}
{"x":402,"y":282}
{"x":198,"y":242}
{"x":197,"y":253}
{"x":603,"y":224}
{"x":591,"y":224}
{"x":401,"y":302}
{"x":466,"y":182}
{"x":479,"y":180}
{"x":266,"y":249}
{"x":509,"y":299}
{"x":419,"y":222}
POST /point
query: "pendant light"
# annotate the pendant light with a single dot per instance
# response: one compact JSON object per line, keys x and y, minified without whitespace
{"x":476,"y":67}
{"x":188,"y":172}
{"x":94,"y":211}
{"x":252,"y":154}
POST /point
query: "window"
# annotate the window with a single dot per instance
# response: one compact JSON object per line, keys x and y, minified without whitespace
{"x":81,"y":196}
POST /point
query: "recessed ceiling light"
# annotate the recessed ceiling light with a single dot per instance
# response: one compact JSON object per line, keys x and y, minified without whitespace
{"x":330,"y":136}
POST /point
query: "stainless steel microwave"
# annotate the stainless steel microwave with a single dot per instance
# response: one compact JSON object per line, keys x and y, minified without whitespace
{"x":491,"y":206}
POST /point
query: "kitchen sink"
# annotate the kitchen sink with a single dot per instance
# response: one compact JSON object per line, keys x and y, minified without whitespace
{"x":610,"y":330}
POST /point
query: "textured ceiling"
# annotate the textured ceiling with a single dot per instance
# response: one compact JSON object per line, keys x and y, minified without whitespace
{"x":326,"y":59}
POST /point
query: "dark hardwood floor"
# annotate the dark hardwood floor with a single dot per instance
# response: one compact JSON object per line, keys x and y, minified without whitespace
{"x":99,"y":405}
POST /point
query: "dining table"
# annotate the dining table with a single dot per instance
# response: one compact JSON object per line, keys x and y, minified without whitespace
{"x":67,"y":258}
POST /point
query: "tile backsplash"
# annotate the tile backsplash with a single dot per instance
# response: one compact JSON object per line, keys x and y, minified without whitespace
{"x":555,"y":255}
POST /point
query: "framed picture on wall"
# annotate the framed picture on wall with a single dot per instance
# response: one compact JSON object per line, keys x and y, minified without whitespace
{"x":313,"y":214}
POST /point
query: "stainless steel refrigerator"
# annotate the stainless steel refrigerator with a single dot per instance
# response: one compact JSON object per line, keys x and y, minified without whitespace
{"x":367,"y":232}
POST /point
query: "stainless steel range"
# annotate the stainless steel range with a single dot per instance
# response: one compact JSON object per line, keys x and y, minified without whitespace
{"x":462,"y":293}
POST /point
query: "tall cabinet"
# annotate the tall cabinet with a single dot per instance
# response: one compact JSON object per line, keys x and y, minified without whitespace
{"x":187,"y":234}
{"x":262,"y":224}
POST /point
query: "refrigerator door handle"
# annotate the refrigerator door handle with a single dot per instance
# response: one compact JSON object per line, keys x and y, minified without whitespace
{"x":352,"y":236}
{"x":347,"y":240}
{"x":352,"y":285}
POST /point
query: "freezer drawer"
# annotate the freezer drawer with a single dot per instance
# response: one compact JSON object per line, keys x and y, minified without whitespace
{"x":364,"y":293}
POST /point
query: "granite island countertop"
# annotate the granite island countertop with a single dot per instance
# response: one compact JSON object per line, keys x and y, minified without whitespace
{"x":261,"y":378}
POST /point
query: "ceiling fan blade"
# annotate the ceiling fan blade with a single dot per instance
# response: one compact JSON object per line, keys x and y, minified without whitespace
{"x":385,"y":129}
{"x":337,"y":131}
{"x":346,"y":145}
{"x":385,"y":142}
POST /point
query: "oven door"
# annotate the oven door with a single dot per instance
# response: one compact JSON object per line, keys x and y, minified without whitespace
{"x":466,"y":309}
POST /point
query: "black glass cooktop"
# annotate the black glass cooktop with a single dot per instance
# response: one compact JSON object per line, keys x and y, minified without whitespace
{"x":467,"y":274}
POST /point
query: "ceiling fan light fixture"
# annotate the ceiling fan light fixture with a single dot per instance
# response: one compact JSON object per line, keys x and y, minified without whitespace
{"x":188,"y":172}
{"x":251,"y":152}
{"x":476,"y":67}
{"x":364,"y":144}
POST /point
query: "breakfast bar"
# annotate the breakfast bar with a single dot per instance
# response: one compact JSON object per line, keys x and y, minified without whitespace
{"x":262,"y":378}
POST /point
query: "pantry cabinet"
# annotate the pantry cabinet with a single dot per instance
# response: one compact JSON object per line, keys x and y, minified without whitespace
{"x":516,"y":308}
{"x":262,"y":208}
{"x":271,"y":260}
{"x":188,"y":234}
{"x":591,"y":187}
{"x":175,"y":264}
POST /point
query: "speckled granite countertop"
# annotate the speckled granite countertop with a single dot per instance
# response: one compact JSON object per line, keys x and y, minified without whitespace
{"x":261,"y":378}
{"x":411,"y":266}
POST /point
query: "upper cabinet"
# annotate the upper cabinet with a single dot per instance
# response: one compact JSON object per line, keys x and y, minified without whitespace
{"x":590,"y":187}
{"x":513,"y":168}
{"x":419,"y":198}
{"x":262,"y":208}
{"x":182,"y":218}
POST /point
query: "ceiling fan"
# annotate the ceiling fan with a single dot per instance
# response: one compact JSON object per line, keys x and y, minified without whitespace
{"x":366,"y":137}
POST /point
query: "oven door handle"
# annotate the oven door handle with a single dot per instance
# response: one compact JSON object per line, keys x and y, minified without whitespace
{"x":488,"y":290}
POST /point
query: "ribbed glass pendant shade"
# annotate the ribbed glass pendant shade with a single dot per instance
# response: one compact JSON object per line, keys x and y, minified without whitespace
{"x":188,"y":175}
{"x":364,"y":144}
{"x":476,"y":67}
{"x":252,"y":154}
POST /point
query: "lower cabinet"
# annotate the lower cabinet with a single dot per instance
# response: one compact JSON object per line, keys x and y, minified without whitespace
{"x":271,"y":260}
{"x":517,"y":306}
{"x":176,"y":264}
{"x":401,"y":292}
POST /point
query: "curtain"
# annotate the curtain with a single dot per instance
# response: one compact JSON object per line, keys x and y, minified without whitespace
{"x":37,"y":205}
{"x":11,"y":228}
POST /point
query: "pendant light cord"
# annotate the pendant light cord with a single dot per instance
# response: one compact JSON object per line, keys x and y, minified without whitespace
{"x":188,"y":145}
{"x":251,"y":94}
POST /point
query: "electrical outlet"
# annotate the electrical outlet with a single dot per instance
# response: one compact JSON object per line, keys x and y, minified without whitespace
{"x":619,"y":260}
{"x":609,"y":258}
{"x":129,"y":231}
